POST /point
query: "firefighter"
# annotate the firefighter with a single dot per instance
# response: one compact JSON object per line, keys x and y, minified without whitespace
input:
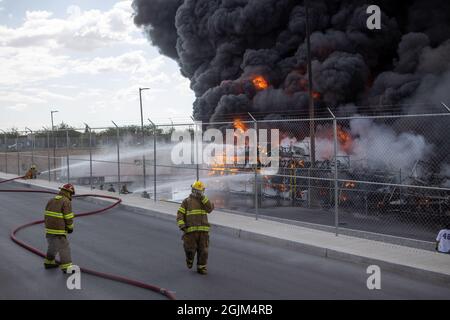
{"x":192,"y":219}
{"x":31,"y":173}
{"x":124,"y":190}
{"x":58,"y":223}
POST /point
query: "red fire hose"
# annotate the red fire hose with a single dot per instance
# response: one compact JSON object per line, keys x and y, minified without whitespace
{"x":28,"y":247}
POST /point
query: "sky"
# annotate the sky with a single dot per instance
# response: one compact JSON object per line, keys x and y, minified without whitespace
{"x":85,"y":59}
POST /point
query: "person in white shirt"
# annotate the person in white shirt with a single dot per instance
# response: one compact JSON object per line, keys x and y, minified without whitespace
{"x":443,"y":240}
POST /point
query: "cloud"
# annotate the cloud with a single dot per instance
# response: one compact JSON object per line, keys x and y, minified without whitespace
{"x":52,"y":61}
{"x":30,"y":96}
{"x":81,"y":30}
{"x":27,"y":66}
{"x":131,"y":62}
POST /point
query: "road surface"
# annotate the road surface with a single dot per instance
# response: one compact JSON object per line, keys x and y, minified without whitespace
{"x":150,"y":250}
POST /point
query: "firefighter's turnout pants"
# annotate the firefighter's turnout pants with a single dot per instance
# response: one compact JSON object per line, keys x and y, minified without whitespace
{"x":58,"y":223}
{"x":58,"y":244}
{"x":196,"y":243}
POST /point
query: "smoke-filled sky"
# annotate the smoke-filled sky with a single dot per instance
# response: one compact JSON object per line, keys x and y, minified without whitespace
{"x":221,"y":45}
{"x":86,"y":59}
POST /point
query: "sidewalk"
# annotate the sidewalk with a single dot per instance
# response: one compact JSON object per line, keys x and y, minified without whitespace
{"x":412,"y":262}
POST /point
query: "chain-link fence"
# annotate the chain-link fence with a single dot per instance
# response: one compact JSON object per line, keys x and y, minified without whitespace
{"x":387,"y":175}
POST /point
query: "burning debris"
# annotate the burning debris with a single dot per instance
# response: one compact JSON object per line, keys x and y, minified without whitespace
{"x":250,"y":56}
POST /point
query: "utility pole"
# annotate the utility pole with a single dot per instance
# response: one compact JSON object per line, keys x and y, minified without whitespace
{"x":312,"y":133}
{"x":312,"y":193}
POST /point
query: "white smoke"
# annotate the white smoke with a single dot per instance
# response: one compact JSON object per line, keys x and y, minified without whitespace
{"x":381,"y":146}
{"x":446,"y":173}
{"x":373,"y":144}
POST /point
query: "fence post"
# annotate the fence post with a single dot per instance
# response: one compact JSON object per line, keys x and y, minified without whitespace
{"x":90,"y":158}
{"x":255,"y":124}
{"x":6,"y":154}
{"x":67,"y":156}
{"x":32,"y":145}
{"x":196,"y":157}
{"x":90,"y":154}
{"x":336,"y":185}
{"x":48,"y":154}
{"x":118,"y":156}
{"x":18,"y":154}
{"x":144,"y":173}
{"x":6,"y":151}
{"x":54,"y":152}
{"x":154,"y":160}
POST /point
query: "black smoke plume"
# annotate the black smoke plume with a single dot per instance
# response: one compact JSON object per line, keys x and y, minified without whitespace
{"x":221,"y":45}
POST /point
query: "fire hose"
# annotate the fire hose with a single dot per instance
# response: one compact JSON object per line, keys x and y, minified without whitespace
{"x":30,"y":248}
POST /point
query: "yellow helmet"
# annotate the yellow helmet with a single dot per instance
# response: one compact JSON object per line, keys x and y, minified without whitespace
{"x":33,"y":166}
{"x":198,"y":185}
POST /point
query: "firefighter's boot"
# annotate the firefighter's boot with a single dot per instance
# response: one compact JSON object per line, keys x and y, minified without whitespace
{"x":189,"y":264}
{"x":50,"y":264}
{"x":202,"y":270}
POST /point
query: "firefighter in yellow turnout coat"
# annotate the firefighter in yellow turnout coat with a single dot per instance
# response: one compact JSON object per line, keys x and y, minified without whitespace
{"x":192,"y":219}
{"x":58,"y":223}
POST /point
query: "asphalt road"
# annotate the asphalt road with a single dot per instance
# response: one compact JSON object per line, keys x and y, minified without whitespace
{"x":150,"y":250}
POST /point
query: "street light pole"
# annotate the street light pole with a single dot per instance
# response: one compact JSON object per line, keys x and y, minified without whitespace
{"x":310,"y":88}
{"x":54,"y":144}
{"x":143,"y":137}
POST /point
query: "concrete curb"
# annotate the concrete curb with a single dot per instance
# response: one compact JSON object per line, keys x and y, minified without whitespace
{"x":415,"y":273}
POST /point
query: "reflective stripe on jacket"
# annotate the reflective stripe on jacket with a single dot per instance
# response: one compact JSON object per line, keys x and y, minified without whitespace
{"x":193,"y":214}
{"x":59,"y":216}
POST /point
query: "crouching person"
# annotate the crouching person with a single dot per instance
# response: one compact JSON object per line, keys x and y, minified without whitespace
{"x":443,"y":240}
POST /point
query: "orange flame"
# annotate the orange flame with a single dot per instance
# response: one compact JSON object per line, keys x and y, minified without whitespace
{"x":260,"y":83}
{"x":345,"y":139}
{"x":239,"y":125}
